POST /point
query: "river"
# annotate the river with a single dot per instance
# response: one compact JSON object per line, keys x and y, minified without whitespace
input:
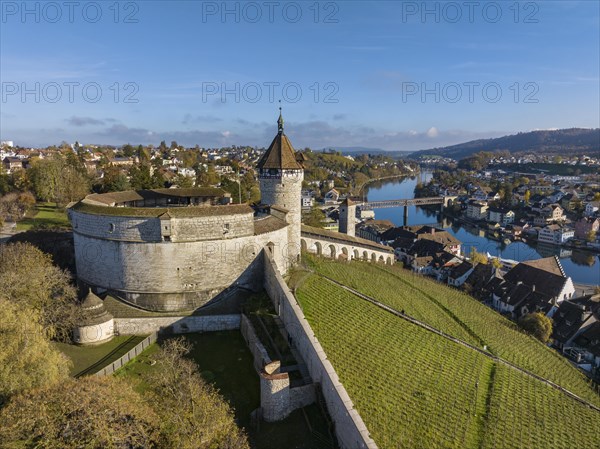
{"x":582,"y":266}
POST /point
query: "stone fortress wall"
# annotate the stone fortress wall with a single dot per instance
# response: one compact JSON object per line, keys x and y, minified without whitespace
{"x":172,"y":262}
{"x":350,"y":429}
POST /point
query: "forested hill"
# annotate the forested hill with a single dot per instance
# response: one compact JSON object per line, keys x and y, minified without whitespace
{"x":563,"y":141}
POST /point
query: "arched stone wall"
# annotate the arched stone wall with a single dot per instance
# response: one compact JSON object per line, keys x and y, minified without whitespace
{"x":331,"y":250}
{"x":319,"y":248}
{"x":345,"y":250}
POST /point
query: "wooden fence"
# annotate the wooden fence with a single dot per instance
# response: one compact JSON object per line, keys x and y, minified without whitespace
{"x":133,"y":353}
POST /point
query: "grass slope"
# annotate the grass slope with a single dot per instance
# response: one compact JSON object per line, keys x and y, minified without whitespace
{"x":415,"y":389}
{"x":44,"y":215}
{"x":91,"y":359}
{"x":459,"y":315}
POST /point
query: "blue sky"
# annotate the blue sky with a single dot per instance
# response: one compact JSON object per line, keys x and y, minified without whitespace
{"x":349,"y":73}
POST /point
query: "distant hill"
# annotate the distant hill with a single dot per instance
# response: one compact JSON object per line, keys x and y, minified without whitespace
{"x":563,"y":141}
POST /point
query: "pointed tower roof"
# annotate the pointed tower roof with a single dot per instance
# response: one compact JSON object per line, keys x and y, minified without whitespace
{"x":281,"y":153}
{"x":91,"y":301}
{"x":93,"y":311}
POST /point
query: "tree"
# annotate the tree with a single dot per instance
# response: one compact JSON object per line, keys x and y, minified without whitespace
{"x":538,"y":325}
{"x":59,"y":179}
{"x":207,"y":176}
{"x":27,"y":360}
{"x":192,"y":413}
{"x":92,"y":412}
{"x":496,"y":262}
{"x":183,"y":181}
{"x":140,"y":177}
{"x":14,"y":205}
{"x":114,"y":180}
{"x":314,"y":218}
{"x":477,"y":257}
{"x":591,"y":236}
{"x":28,"y":277}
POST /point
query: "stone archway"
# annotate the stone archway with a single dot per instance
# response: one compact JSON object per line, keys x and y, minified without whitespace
{"x":303,"y":245}
{"x":319,"y":248}
{"x":381,"y":259}
{"x":365,"y":255}
{"x":344,"y":255}
{"x":271,"y":248}
{"x":332,"y":251}
{"x":356,"y":254}
{"x":389,"y":260}
{"x":373,"y":257}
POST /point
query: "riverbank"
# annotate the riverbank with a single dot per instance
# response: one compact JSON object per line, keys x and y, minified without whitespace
{"x":582,"y":265}
{"x":386,"y":178}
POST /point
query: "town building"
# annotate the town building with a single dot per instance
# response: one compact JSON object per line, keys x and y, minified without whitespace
{"x":555,"y":234}
{"x":501,"y":215}
{"x":532,"y":286}
{"x":477,"y":210}
{"x":586,"y":225}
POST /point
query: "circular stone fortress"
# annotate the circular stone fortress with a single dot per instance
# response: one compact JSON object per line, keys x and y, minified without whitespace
{"x":176,"y":249}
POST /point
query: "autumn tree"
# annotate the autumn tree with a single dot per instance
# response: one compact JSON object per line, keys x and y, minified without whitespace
{"x":207,"y":176}
{"x":59,"y":179}
{"x":183,"y":181}
{"x":91,"y":412}
{"x":477,"y":257}
{"x":27,"y":359}
{"x":315,"y":218}
{"x":14,"y":205}
{"x":538,"y":325}
{"x":28,"y":277}
{"x":192,"y":413}
{"x":114,"y":180}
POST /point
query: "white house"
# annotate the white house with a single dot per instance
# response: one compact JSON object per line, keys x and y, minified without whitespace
{"x":555,"y":234}
{"x":591,"y":208}
{"x":307,"y":199}
{"x":459,"y":274}
{"x":477,"y":210}
{"x":332,"y":197}
{"x":501,"y":215}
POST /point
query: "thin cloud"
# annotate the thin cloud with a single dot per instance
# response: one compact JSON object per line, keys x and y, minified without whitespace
{"x":84,"y":121}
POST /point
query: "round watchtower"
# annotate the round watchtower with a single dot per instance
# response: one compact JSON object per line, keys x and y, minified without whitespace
{"x":281,"y":173}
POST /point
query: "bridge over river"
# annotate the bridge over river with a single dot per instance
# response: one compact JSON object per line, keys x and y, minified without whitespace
{"x":348,"y":208}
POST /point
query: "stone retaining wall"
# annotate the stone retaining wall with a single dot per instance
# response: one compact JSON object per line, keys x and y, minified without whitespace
{"x":277,"y":398}
{"x":350,"y":429}
{"x":176,"y":325}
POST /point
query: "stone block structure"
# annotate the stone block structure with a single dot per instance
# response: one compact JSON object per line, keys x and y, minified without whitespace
{"x":171,"y":250}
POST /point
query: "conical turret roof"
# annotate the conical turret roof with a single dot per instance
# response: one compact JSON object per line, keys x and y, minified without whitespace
{"x":281,"y":154}
{"x":93,"y":311}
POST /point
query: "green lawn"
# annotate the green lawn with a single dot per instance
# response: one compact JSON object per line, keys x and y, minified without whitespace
{"x":90,"y":359}
{"x":225,"y":361}
{"x":44,"y":215}
{"x":415,"y":389}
